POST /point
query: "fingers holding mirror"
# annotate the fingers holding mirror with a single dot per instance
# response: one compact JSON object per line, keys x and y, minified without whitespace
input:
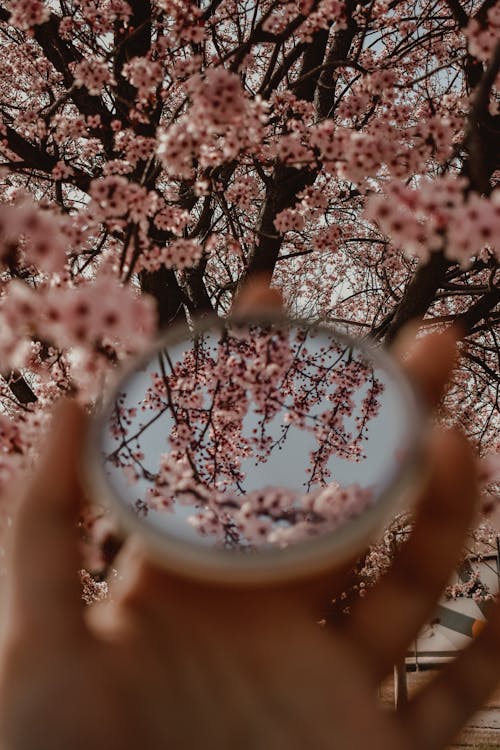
{"x":428,"y":361}
{"x":238,"y":417}
{"x":391,"y":615}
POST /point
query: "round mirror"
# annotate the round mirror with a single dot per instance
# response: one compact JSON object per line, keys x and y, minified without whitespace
{"x":257,"y":450}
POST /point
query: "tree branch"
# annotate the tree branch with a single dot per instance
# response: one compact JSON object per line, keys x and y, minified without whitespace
{"x":481,"y":310}
{"x":417,"y":298}
{"x":20,"y":388}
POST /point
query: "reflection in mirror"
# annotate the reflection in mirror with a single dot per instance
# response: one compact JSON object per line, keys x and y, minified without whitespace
{"x":255,"y":435}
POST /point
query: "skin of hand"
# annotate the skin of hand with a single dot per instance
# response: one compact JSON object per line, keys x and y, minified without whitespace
{"x":173,"y":663}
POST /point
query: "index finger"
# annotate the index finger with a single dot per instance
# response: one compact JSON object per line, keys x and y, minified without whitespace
{"x":43,"y":586}
{"x":257,"y":296}
{"x":428,"y":361}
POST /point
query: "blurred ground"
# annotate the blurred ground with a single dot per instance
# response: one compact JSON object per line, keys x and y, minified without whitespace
{"x":482,"y":731}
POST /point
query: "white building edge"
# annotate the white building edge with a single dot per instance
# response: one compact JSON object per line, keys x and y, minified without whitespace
{"x":456,"y":621}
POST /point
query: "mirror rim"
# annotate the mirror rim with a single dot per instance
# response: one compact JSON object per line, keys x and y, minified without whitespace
{"x":303,"y":559}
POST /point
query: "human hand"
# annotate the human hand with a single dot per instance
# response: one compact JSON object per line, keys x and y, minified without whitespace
{"x":176,"y":663}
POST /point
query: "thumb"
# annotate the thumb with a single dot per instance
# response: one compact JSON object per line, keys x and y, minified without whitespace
{"x":43,"y":577}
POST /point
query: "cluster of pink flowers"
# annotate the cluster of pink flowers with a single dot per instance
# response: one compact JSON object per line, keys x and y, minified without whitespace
{"x":381,"y":82}
{"x":313,"y":200}
{"x":381,"y":555}
{"x":285,"y":103}
{"x":327,"y":239}
{"x":93,"y":73}
{"x":117,"y":166}
{"x":184,"y":19}
{"x":356,"y":155}
{"x":29,"y":125}
{"x":473,"y":227}
{"x":172,"y":219}
{"x":218,"y":97}
{"x":329,"y":430}
{"x":61,"y":171}
{"x":291,"y":150}
{"x":145,"y":74}
{"x":484,"y":38}
{"x":354,"y":105}
{"x":115,"y":197}
{"x":177,"y":149}
{"x":98,"y":311}
{"x":326,"y":12}
{"x":482,"y":540}
{"x":310,"y":206}
{"x":212,"y":131}
{"x":28,"y":13}
{"x":328,"y":140}
{"x":17,"y":311}
{"x":177,"y":253}
{"x":272,"y":515}
{"x":100,"y":15}
{"x":278,"y":516}
{"x":433,"y":137}
{"x":279,"y":19}
{"x":243,"y":191}
{"x":472,"y":588}
{"x":32,"y":235}
{"x":175,"y":482}
{"x":182,"y":253}
{"x":133,"y":147}
{"x":92,"y":590}
{"x":139,"y":148}
{"x":65,"y":129}
{"x":289,"y":219}
{"x":438,"y":214}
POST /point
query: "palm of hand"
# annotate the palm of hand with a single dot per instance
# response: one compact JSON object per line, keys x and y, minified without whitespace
{"x":172,"y":663}
{"x":188,"y":680}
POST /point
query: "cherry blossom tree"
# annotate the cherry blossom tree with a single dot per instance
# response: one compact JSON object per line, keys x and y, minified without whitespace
{"x":154,"y":154}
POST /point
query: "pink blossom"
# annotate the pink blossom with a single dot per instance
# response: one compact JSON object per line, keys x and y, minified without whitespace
{"x":92,"y":590}
{"x":28,"y":13}
{"x":171,"y":219}
{"x":33,"y":235}
{"x":94,"y":74}
{"x":182,"y":253}
{"x":145,"y":74}
{"x":289,"y":219}
{"x":115,"y":196}
{"x":217,"y":97}
{"x":291,"y":151}
{"x":327,"y":239}
{"x":483,"y":39}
